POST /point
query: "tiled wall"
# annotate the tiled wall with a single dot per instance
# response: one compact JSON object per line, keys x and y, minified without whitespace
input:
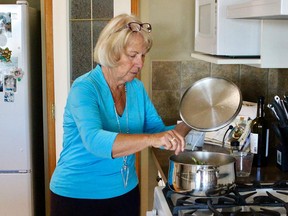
{"x":170,"y":79}
{"x":87,"y":19}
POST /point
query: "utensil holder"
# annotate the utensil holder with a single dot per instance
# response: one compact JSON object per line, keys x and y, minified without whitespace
{"x":282,"y":158}
{"x":282,"y":149}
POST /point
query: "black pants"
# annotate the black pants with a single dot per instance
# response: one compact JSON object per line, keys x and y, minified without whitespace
{"x":125,"y":205}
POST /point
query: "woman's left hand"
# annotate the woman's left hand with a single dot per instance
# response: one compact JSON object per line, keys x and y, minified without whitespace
{"x":169,"y":140}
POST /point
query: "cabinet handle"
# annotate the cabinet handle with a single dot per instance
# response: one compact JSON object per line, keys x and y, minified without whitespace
{"x":158,"y":178}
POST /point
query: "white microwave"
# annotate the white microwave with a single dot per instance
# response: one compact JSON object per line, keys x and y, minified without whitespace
{"x":217,"y":35}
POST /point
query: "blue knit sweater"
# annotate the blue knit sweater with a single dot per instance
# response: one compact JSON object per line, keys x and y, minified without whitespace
{"x":86,"y":168}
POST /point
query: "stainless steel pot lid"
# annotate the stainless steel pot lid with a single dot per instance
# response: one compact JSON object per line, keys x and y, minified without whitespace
{"x":210,"y":104}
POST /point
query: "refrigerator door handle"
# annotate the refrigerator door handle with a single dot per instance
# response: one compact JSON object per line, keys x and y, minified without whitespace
{"x":14,"y":171}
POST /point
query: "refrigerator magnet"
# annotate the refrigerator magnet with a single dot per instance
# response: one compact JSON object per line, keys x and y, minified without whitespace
{"x":10,"y":83}
{"x":5,"y":54}
{"x":17,"y":73}
{"x":9,"y":96}
{"x":5,"y":23}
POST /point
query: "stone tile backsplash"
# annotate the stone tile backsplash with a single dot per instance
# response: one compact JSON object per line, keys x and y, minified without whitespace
{"x":170,"y":79}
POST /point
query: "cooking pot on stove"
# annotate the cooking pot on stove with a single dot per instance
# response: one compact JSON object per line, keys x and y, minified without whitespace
{"x":208,"y":105}
{"x":201,"y":173}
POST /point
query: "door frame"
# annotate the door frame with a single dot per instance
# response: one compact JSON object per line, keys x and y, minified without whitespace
{"x":49,"y":77}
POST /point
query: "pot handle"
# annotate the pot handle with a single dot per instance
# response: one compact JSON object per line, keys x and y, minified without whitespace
{"x":169,"y":186}
{"x":173,"y":189}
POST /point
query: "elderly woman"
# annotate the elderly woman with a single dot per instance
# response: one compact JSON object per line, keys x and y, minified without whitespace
{"x":108,"y":118}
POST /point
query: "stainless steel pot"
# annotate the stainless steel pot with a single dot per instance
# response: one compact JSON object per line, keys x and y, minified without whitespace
{"x":213,"y":175}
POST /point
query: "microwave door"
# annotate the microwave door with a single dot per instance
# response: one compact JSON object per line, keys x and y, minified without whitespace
{"x":215,"y":34}
{"x":205,"y":25}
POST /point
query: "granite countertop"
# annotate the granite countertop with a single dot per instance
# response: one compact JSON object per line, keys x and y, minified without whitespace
{"x":271,"y":173}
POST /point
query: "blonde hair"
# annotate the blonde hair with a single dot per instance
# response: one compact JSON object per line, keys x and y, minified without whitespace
{"x":112,"y":42}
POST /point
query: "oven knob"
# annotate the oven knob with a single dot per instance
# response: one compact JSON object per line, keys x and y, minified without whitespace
{"x":151,"y":213}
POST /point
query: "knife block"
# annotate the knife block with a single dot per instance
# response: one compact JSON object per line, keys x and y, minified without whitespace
{"x":282,"y":150}
{"x":282,"y":157}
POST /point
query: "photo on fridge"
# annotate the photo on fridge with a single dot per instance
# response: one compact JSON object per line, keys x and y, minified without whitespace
{"x":10,"y":83}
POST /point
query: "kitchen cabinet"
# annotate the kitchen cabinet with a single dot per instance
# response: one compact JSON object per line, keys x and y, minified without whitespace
{"x":273,"y":48}
{"x":274,"y":16}
{"x":259,"y":9}
{"x":274,"y":33}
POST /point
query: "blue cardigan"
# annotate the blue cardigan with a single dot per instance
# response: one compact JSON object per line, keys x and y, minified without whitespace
{"x":86,"y":168}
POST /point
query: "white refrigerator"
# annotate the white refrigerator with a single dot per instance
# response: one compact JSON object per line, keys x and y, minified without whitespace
{"x":21,"y":135}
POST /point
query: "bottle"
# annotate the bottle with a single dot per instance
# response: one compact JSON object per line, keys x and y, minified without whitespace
{"x":242,"y":123}
{"x":259,"y":136}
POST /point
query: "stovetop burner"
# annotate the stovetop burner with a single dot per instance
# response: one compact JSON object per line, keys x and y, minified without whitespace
{"x":278,"y":185}
{"x":262,"y":212}
{"x":253,"y":199}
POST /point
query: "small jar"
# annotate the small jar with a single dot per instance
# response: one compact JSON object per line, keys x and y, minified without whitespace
{"x":234,"y":146}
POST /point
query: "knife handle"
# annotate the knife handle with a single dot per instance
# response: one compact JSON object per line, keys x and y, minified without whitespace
{"x":284,"y":108}
{"x":280,"y":114}
{"x":272,"y":109}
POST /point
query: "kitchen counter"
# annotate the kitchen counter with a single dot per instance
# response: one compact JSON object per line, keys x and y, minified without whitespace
{"x":271,"y":173}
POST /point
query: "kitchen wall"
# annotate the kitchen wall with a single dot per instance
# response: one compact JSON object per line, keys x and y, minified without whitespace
{"x":170,"y":68}
{"x":171,"y":78}
{"x":32,"y":3}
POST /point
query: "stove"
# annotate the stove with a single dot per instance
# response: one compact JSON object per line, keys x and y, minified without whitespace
{"x":254,"y":199}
